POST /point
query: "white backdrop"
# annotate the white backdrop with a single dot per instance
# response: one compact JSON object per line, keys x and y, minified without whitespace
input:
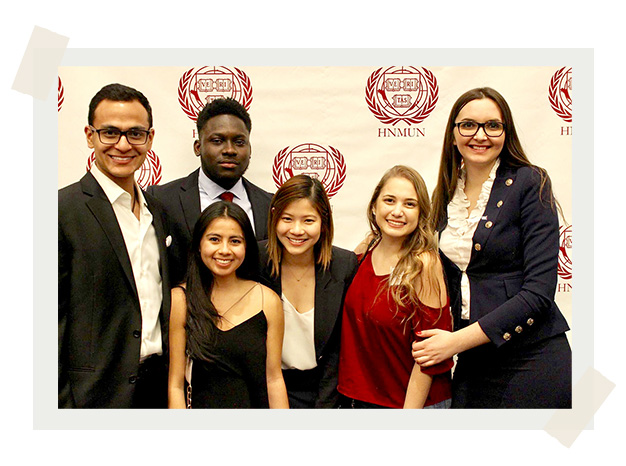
{"x":325,"y":109}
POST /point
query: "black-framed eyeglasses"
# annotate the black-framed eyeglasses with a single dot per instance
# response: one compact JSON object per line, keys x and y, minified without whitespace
{"x":135,"y":137}
{"x":469,"y":128}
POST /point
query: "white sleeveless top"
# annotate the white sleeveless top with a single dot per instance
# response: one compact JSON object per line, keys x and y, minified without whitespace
{"x":298,"y":342}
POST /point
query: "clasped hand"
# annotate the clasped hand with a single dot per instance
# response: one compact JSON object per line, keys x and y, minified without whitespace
{"x":437,"y":346}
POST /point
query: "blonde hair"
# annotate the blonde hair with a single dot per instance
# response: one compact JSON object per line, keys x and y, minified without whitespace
{"x":412,"y":276}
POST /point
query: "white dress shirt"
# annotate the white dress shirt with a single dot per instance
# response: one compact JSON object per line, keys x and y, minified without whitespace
{"x":456,"y":239}
{"x":141,"y":244}
{"x":210,"y":193}
{"x":298,"y":340}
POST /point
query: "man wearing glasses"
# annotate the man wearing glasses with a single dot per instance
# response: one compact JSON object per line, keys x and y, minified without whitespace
{"x":114,"y":289}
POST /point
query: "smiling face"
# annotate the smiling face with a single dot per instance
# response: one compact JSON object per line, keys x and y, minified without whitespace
{"x":299,"y":228}
{"x":224,"y":149}
{"x":480,"y":150}
{"x":396,"y":210}
{"x":223,"y":247}
{"x":119,"y":161}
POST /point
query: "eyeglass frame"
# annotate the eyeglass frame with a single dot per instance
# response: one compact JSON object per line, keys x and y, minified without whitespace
{"x":122,"y":133}
{"x":480,"y":125}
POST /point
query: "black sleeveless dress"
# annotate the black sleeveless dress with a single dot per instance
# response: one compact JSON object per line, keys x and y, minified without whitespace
{"x":236,"y":376}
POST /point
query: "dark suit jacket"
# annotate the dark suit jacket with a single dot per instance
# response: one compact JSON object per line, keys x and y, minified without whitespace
{"x":330,"y":290}
{"x":99,"y":313}
{"x":513,"y":266}
{"x":181,"y":199}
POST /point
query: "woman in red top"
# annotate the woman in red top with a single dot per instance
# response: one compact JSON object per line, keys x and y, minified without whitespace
{"x":398,"y":291}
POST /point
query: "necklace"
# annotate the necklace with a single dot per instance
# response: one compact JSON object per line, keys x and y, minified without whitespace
{"x":306,"y":271}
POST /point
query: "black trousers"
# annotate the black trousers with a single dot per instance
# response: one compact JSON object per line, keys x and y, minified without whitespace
{"x":151,"y":384}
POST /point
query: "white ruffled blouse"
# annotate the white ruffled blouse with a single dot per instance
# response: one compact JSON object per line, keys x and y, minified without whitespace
{"x":456,"y":239}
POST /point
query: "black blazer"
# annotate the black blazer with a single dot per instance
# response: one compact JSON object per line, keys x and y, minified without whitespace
{"x":513,"y":265}
{"x":330,"y":290}
{"x":181,"y":199}
{"x":99,"y":313}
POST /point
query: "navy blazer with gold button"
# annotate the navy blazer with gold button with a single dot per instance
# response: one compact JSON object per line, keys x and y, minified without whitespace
{"x":513,"y":266}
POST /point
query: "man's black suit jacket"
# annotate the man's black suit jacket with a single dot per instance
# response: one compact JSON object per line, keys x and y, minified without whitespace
{"x":181,"y":199}
{"x":99,"y":312}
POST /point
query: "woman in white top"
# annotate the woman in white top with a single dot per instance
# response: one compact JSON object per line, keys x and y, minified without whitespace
{"x":499,"y":232}
{"x":301,"y":265}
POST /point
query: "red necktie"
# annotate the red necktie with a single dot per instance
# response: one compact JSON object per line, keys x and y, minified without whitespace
{"x":227,"y":196}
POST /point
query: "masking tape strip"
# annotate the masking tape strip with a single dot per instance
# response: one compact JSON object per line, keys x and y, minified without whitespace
{"x":38,"y":71}
{"x":589,"y":394}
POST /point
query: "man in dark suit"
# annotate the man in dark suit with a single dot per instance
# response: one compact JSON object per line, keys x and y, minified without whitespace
{"x":223,"y":146}
{"x":114,"y":290}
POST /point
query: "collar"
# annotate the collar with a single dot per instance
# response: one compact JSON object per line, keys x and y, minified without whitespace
{"x":112,"y":191}
{"x":213,"y":190}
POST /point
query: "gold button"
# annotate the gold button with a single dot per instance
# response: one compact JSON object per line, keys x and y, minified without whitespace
{"x":530,"y":321}
{"x":506,"y":336}
{"x":477,"y":246}
{"x":489,"y":224}
{"x":509,"y":182}
{"x":499,"y":204}
{"x":518,"y":329}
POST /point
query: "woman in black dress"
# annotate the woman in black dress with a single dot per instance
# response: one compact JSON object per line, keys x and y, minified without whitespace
{"x":226,"y":329}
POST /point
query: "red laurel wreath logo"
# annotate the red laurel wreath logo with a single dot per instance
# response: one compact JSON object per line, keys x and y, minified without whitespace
{"x":560,"y":93}
{"x":148,"y":174}
{"x":200,"y":86}
{"x":565,"y":245}
{"x":325,"y":164}
{"x":403,"y":93}
{"x":60,"y":94}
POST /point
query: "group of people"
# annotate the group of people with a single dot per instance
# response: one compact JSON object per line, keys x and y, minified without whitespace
{"x":209,"y":292}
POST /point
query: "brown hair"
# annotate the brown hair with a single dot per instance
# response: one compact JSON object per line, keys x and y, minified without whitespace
{"x":512,"y":154}
{"x":296,"y":188}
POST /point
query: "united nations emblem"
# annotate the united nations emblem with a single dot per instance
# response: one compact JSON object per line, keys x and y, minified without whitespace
{"x":200,"y":86}
{"x":403,"y":93}
{"x":323,"y":163}
{"x":565,"y":245}
{"x":560,"y":93}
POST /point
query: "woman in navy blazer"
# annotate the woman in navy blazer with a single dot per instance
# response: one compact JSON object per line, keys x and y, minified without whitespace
{"x":499,"y":231}
{"x":300,"y":264}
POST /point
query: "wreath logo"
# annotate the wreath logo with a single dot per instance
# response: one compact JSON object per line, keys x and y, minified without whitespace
{"x":323,"y":163}
{"x":200,"y":86}
{"x":560,"y":93}
{"x":565,"y":245}
{"x":60,"y":94}
{"x":403,"y":93}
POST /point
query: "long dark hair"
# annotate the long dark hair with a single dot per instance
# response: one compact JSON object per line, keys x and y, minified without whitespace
{"x":294,"y":189}
{"x":512,"y":154}
{"x":202,"y":316}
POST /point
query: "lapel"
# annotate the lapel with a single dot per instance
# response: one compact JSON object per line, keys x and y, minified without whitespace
{"x":259,"y":209}
{"x":157,"y":222}
{"x":190,"y":200}
{"x":500,"y":191}
{"x":101,"y":208}
{"x":328,"y":294}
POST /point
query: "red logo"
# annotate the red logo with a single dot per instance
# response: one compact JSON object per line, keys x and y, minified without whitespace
{"x":148,"y":174}
{"x":60,"y":93}
{"x":560,"y":93}
{"x":325,"y":164}
{"x":200,"y":86}
{"x":402,"y":93}
{"x":565,"y":245}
